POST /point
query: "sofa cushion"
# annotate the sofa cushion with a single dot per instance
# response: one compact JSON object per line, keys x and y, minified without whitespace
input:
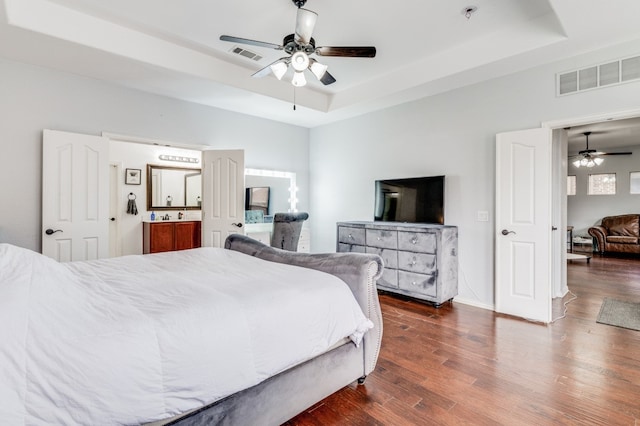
{"x":625,"y":225}
{"x":622,"y":239}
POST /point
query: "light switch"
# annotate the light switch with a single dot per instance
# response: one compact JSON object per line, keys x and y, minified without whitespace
{"x":483,"y":216}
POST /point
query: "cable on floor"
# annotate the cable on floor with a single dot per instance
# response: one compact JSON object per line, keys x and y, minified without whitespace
{"x":564,"y":314}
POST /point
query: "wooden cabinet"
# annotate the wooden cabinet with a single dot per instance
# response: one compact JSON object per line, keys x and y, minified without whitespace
{"x":420,"y":260}
{"x":169,"y":236}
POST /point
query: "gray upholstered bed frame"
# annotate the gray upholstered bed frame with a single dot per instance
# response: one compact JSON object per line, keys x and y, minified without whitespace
{"x":287,"y":394}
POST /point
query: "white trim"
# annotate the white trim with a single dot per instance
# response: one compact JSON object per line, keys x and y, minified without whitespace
{"x":590,"y":119}
{"x":475,"y":303}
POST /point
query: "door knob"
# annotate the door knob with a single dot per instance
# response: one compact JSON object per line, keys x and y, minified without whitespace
{"x":113,"y":219}
{"x":506,"y":232}
{"x":51,"y":231}
{"x":239,"y":225}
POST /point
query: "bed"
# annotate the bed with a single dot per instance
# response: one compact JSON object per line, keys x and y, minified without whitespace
{"x":163,"y":339}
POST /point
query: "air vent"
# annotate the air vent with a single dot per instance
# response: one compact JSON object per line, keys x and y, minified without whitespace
{"x":246,"y":53}
{"x":594,"y":77}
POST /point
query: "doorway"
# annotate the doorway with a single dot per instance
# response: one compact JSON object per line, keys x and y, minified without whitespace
{"x":568,"y":135}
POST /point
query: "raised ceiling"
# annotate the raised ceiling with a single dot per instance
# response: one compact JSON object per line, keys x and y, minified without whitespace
{"x":172,"y":47}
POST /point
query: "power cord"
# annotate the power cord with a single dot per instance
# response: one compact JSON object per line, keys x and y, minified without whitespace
{"x":564,"y":314}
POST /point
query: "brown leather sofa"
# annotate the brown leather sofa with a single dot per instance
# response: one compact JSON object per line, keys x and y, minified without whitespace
{"x":618,"y":234}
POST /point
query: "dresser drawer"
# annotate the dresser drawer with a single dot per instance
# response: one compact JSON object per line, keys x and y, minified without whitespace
{"x":351,"y":235}
{"x":382,"y":238}
{"x":350,"y":248}
{"x":389,"y":257}
{"x":389,"y":278}
{"x":417,"y":283}
{"x":421,"y":263}
{"x":424,"y":242}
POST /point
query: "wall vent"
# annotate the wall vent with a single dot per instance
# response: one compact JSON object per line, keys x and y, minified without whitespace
{"x":597,"y":76}
{"x":246,"y":53}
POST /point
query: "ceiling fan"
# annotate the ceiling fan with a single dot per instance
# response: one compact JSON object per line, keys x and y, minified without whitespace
{"x":299,"y":46}
{"x":590,"y":157}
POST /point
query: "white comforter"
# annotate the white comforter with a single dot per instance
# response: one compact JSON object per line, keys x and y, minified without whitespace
{"x":140,"y":338}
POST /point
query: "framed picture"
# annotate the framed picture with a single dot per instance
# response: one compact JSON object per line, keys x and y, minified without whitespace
{"x":132,"y":176}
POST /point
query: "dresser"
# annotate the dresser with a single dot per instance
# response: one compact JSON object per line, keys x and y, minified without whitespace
{"x":420,"y":260}
{"x":159,"y":236}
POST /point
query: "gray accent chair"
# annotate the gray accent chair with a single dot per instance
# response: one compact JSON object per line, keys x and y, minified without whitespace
{"x":286,"y":230}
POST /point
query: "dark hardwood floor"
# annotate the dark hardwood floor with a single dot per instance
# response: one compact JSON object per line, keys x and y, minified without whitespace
{"x":465,"y":365}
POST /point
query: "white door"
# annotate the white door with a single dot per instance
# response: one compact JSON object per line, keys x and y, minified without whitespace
{"x":523,"y":224}
{"x":222,"y":195}
{"x":75,"y":196}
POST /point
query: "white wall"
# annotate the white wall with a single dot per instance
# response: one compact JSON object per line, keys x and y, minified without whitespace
{"x":584,"y":211}
{"x":34,"y":98}
{"x":451,"y":134}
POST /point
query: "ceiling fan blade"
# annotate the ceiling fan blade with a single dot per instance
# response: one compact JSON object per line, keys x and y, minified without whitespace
{"x":233,"y":39}
{"x":347,"y":51}
{"x":615,"y":153}
{"x":327,"y":79}
{"x":305,"y":22}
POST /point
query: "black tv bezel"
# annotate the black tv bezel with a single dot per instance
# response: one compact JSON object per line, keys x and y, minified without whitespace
{"x":441,"y":178}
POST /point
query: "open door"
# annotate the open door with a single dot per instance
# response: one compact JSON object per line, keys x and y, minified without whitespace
{"x":222,"y":195}
{"x":75,"y":196}
{"x":523,"y":224}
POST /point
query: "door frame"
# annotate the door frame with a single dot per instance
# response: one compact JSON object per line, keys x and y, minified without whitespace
{"x":559,"y":203}
{"x":115,"y":242}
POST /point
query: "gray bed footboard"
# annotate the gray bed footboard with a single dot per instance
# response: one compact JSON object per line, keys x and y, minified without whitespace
{"x":360,"y":272}
{"x":279,"y":398}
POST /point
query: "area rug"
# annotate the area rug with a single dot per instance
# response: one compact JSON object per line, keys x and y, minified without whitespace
{"x":619,"y":313}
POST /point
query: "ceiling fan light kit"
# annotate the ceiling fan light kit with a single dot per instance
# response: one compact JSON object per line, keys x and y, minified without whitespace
{"x":298,"y":79}
{"x":590,"y":157}
{"x":299,"y":46}
{"x":278,"y":69}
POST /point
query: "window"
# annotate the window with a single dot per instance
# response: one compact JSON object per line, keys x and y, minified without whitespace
{"x":634,"y":183}
{"x":571,"y":185}
{"x":602,"y":184}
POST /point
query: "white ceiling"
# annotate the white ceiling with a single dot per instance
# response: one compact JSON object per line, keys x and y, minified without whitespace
{"x":607,"y":136}
{"x":424,"y":47}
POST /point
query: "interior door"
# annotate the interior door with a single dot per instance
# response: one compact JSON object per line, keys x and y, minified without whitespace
{"x":75,"y":196}
{"x":222,"y":195}
{"x":523,"y":224}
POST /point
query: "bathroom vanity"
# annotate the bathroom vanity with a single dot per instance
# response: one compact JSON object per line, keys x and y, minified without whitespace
{"x":170,"y":235}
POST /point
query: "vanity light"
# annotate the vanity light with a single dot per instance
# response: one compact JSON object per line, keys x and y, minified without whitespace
{"x":179,"y":159}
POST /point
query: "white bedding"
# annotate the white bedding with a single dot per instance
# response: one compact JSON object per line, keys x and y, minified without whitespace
{"x":141,"y":338}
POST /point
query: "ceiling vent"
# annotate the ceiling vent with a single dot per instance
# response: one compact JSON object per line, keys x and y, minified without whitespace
{"x":246,"y":53}
{"x":597,"y":76}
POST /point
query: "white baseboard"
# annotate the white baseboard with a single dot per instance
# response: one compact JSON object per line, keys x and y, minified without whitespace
{"x":475,"y":303}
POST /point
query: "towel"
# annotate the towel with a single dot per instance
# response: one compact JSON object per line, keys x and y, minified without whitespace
{"x":131,"y":207}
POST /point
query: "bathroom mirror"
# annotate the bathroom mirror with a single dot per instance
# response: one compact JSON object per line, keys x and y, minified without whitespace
{"x":173,"y":188}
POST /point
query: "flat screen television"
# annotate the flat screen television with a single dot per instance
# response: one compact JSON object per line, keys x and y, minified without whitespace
{"x":418,"y":200}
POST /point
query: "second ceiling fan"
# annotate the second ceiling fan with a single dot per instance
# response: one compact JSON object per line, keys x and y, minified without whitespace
{"x":300,"y":46}
{"x":590,"y":157}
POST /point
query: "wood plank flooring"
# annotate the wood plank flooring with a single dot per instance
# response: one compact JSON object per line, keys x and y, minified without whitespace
{"x":464,"y":365}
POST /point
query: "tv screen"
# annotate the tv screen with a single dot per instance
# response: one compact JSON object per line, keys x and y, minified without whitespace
{"x":419,"y":200}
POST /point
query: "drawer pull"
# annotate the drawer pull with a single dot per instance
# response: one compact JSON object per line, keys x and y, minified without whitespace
{"x":413,"y":262}
{"x":414,"y":283}
{"x":351,"y":236}
{"x":414,"y":241}
{"x":379,"y":238}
